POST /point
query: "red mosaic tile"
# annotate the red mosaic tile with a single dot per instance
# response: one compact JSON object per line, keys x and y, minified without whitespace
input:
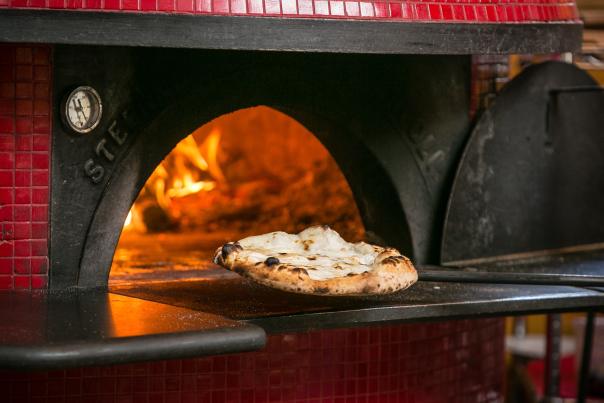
{"x":456,"y":361}
{"x":24,"y":156}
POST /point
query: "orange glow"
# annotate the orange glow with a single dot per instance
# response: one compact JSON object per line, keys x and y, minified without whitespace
{"x":187,"y":165}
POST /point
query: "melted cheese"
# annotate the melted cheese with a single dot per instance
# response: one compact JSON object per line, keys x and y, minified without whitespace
{"x":319,"y":250}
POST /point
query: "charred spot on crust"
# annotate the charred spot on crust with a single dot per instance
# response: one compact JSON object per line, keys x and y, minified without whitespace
{"x":321,"y":290}
{"x":299,"y":270}
{"x":307,"y":243}
{"x":282,"y":253}
{"x":312,"y":258}
{"x":271,"y":261}
{"x":350,"y":275}
{"x":394,"y":260}
{"x":257,"y":263}
{"x":227,"y":248}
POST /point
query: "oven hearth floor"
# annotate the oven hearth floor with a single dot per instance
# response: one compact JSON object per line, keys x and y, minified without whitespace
{"x":277,"y":311}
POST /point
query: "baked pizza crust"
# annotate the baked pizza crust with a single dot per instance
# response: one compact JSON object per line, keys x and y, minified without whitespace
{"x":318,"y":261}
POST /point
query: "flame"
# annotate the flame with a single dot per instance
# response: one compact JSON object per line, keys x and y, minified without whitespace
{"x":128,"y":219}
{"x":210,"y":145}
{"x":190,"y":168}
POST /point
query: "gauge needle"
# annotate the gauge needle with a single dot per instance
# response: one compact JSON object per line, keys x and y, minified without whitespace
{"x":78,"y":109}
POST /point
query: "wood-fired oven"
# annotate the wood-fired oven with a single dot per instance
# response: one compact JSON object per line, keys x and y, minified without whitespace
{"x":364,"y":115}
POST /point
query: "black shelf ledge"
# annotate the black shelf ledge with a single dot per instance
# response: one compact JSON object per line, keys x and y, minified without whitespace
{"x":39,"y":330}
{"x":284,"y":34}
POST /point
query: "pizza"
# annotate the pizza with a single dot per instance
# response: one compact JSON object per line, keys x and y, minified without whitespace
{"x":317,"y":261}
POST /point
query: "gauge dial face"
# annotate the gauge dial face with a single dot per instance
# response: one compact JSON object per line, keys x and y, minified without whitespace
{"x":82,"y":109}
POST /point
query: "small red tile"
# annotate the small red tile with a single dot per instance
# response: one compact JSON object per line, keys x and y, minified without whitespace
{"x":24,"y":107}
{"x":272,"y":6}
{"x":395,"y":10}
{"x":6,"y":282}
{"x":41,"y":125}
{"x":39,"y":282}
{"x":289,"y":7}
{"x":23,"y":161}
{"x":7,"y":106}
{"x":321,"y":7}
{"x":220,"y":6}
{"x":381,"y":9}
{"x":129,"y":5}
{"x":6,"y":265}
{"x":23,"y":143}
{"x":256,"y":6}
{"x":112,"y":5}
{"x":407,"y":11}
{"x":22,"y":282}
{"x":22,"y":248}
{"x":7,"y":125}
{"x":422,"y":12}
{"x":23,"y":55}
{"x":435,"y":12}
{"x":6,"y":178}
{"x":40,"y":161}
{"x":204,"y":6}
{"x":481,"y":13}
{"x":7,"y":90}
{"x":24,"y":90}
{"x":22,"y":266}
{"x":185,"y":6}
{"x":56,"y":3}
{"x":40,"y":178}
{"x":24,"y":72}
{"x":41,"y":107}
{"x":447,"y":12}
{"x":23,"y":125}
{"x":73,"y":4}
{"x":366,"y":9}
{"x":22,"y":178}
{"x":23,"y":195}
{"x":39,"y":265}
{"x":352,"y":8}
{"x":470,"y":13}
{"x":22,"y":230}
{"x":6,"y":212}
{"x":7,"y":196}
{"x":40,"y":196}
{"x":7,"y":160}
{"x":39,"y":248}
{"x":38,"y":214}
{"x":22,"y":213}
{"x":148,"y":5}
{"x":41,"y":55}
{"x":7,"y":249}
{"x":7,"y":71}
{"x":94,"y":4}
{"x":39,"y":230}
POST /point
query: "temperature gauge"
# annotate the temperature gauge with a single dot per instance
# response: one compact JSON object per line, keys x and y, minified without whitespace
{"x":82,"y":109}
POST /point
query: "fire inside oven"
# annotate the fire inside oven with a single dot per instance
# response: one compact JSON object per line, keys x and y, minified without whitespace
{"x":252,"y":171}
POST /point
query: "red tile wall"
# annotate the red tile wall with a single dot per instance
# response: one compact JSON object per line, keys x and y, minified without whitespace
{"x":453,"y":362}
{"x":25,"y":86}
{"x":495,"y":11}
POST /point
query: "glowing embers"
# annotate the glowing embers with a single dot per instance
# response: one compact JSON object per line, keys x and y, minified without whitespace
{"x":249,"y":172}
{"x":189,"y":169}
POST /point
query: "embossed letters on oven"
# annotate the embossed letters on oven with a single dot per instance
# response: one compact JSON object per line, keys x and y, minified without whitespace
{"x":106,"y":149}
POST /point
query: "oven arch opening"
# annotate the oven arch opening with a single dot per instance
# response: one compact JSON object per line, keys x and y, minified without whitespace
{"x":248,"y":172}
{"x":375,"y":194}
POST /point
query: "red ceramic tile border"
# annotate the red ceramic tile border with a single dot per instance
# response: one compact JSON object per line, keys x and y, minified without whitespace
{"x":493,"y":11}
{"x":453,"y":362}
{"x":24,"y":165}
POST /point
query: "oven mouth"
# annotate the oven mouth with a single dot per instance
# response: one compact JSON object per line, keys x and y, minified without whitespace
{"x":252,"y":171}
